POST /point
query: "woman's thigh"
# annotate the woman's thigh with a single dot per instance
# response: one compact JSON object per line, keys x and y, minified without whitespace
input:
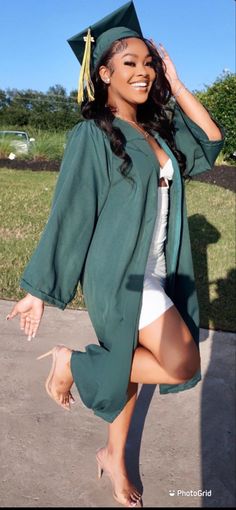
{"x":170,"y":341}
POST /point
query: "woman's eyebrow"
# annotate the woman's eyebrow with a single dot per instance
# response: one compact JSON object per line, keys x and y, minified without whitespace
{"x":134,"y":55}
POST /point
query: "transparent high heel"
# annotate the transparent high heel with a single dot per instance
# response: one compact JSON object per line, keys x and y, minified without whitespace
{"x":54,"y":352}
{"x":101,"y":470}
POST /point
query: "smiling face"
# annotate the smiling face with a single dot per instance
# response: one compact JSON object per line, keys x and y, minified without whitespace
{"x":130,"y":74}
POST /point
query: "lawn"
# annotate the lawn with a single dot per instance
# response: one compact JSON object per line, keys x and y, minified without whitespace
{"x":25,"y":204}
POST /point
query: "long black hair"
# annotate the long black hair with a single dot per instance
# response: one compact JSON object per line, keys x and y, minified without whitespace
{"x":152,"y":115}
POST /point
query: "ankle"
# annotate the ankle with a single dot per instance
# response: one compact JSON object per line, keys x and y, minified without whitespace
{"x":68,"y":366}
{"x":67,"y":359}
{"x":116,"y":453}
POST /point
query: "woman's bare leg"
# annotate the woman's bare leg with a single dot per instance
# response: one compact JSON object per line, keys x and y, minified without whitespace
{"x":112,"y":455}
{"x":166,"y":354}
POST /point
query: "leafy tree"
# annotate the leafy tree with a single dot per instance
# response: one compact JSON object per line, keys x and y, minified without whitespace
{"x":50,"y":111}
{"x":3,"y":104}
{"x":3,"y":99}
{"x":57,"y":91}
{"x":219,"y":99}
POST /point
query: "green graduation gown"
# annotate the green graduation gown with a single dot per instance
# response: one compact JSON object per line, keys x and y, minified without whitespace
{"x":99,"y":233}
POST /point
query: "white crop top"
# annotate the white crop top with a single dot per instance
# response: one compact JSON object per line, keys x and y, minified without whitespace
{"x":167,"y":171}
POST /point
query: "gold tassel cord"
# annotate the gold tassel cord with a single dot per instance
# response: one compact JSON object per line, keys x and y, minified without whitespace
{"x":85,"y":78}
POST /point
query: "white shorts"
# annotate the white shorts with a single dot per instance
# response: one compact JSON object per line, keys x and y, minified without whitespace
{"x":155,"y":301}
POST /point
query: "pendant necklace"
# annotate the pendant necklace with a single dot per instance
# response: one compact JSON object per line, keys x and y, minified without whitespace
{"x":141,"y":130}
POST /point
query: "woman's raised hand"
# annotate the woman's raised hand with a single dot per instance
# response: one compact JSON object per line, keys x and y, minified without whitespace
{"x":30,"y":309}
{"x":169,"y":68}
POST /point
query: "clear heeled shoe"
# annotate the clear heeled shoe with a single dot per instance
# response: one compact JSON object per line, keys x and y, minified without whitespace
{"x":101,"y":470}
{"x":54,"y":352}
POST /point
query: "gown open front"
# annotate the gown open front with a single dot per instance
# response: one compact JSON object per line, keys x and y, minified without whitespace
{"x":155,"y":301}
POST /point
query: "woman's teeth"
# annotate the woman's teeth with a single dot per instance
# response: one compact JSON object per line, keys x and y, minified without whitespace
{"x":139,"y":85}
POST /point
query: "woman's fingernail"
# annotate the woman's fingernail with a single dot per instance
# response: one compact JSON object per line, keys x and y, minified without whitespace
{"x":7,"y":317}
{"x":29,"y":338}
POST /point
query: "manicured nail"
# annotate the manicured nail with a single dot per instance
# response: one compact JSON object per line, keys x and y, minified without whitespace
{"x":29,"y":338}
{"x":7,"y":317}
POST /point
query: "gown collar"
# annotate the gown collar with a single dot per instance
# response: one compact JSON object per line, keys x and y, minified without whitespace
{"x":140,"y":143}
{"x":131,"y":133}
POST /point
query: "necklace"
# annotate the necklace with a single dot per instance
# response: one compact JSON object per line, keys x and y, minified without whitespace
{"x":138,"y":127}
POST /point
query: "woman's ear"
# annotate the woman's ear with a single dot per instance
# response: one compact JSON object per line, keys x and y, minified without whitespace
{"x":104,"y":74}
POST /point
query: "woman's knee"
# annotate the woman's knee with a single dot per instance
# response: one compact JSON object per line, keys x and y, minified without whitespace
{"x":186,"y":368}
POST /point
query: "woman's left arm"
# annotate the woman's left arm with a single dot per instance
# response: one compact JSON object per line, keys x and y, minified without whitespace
{"x":187,"y":101}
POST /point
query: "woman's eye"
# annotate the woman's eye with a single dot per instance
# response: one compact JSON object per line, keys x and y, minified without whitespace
{"x":133,"y":64}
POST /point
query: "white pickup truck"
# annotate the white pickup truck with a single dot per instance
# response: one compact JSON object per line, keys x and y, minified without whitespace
{"x":20,"y":141}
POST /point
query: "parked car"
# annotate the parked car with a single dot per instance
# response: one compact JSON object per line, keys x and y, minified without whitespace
{"x":20,"y":141}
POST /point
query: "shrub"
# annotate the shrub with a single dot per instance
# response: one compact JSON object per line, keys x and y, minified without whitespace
{"x":5,"y":148}
{"x":47,"y":146}
{"x":219,"y":98}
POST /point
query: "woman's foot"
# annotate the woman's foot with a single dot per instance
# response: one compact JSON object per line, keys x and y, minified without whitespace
{"x":60,"y":380}
{"x":124,"y":491}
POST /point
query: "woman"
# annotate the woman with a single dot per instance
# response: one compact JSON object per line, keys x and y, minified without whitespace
{"x":118,"y":225}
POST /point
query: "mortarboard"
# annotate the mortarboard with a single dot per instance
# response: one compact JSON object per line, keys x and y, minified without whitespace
{"x":122,"y":23}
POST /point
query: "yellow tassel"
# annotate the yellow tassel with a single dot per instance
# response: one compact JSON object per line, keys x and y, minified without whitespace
{"x":85,"y":78}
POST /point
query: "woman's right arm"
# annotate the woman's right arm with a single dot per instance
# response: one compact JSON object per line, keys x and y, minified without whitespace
{"x":54,"y":270}
{"x":30,"y":310}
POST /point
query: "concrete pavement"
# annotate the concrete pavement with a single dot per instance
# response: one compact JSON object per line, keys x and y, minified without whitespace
{"x":180,"y":442}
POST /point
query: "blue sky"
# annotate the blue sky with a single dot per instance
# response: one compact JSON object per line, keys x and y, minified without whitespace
{"x":34,"y":53}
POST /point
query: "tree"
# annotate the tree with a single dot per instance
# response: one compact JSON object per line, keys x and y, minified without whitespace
{"x":50,"y":111}
{"x":219,"y":99}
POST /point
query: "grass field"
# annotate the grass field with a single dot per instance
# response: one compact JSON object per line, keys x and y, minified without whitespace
{"x":25,"y":204}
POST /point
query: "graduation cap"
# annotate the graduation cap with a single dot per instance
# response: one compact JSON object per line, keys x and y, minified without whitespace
{"x":90,"y":44}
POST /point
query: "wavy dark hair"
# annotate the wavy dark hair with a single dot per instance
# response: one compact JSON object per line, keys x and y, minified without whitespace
{"x":152,"y":115}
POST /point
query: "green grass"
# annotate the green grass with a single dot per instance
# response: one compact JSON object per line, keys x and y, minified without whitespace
{"x":224,"y":159}
{"x":48,"y":146}
{"x":5,"y":148}
{"x":25,"y":204}
{"x":24,"y":208}
{"x":211,"y":213}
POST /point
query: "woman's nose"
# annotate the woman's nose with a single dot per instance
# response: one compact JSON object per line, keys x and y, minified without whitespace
{"x":142,"y":70}
{"x":143,"y":73}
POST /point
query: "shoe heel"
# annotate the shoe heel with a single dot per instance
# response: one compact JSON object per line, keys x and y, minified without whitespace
{"x":45,"y":355}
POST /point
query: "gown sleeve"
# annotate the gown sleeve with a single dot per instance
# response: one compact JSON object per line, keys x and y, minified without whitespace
{"x":194,"y":143}
{"x":54,"y":269}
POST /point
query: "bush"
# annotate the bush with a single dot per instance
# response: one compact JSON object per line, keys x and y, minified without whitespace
{"x":48,"y":146}
{"x":219,"y":99}
{"x":5,"y":148}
